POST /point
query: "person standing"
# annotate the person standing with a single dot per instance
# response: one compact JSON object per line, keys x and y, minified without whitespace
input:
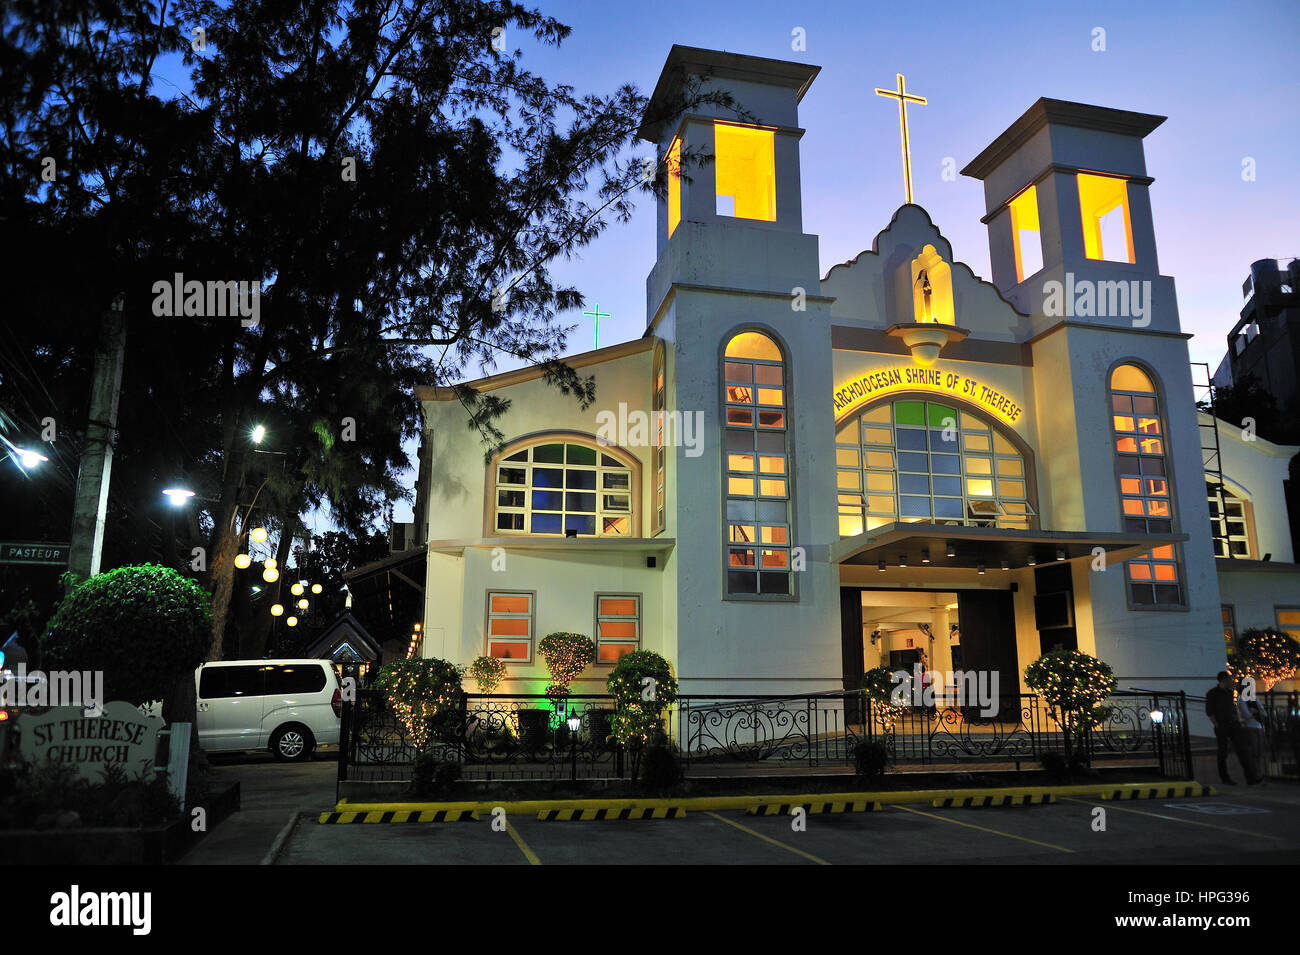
{"x":1222,"y":711}
{"x":1253,"y":726}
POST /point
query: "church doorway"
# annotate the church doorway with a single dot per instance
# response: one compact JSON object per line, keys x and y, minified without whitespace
{"x":942,"y":632}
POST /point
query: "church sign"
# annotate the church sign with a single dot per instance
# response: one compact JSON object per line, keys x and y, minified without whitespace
{"x":121,"y":736}
{"x":884,"y":381}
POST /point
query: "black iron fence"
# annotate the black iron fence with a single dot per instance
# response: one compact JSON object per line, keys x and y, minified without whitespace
{"x":1281,"y":731}
{"x":529,"y":736}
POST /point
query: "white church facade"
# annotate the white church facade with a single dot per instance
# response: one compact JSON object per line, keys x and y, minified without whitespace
{"x":897,"y":462}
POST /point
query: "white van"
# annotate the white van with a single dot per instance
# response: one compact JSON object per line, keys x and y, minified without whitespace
{"x":290,"y":707}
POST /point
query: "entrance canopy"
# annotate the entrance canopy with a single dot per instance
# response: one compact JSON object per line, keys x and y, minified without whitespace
{"x":923,"y":544}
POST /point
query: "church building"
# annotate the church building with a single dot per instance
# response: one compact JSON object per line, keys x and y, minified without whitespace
{"x":791,"y":478}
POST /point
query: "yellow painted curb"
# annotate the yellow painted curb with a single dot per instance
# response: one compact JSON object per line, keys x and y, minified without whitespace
{"x":531,"y":807}
{"x":399,"y":815}
{"x":1008,"y":799}
{"x":837,"y":805}
{"x":1163,"y":791}
{"x":627,"y":812}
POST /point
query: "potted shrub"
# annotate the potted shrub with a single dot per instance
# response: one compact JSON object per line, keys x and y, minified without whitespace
{"x":642,"y":684}
{"x":1074,"y":685}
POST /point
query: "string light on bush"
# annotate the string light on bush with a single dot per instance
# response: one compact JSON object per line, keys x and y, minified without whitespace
{"x":242,"y":561}
{"x":296,"y":590}
{"x":257,"y":535}
{"x":292,"y":621}
{"x":277,"y":609}
{"x":270,"y":575}
{"x":316,"y":588}
{"x":303,"y":604}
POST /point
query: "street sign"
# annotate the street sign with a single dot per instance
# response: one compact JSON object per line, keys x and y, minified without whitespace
{"x":34,"y":552}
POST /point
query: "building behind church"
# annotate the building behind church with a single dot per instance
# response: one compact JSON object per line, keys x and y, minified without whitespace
{"x":791,"y":478}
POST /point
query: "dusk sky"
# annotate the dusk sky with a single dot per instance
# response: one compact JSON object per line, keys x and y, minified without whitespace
{"x":1226,"y":80}
{"x":1225,"y":76}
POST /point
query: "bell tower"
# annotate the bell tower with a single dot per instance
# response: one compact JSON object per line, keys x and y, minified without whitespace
{"x":1066,"y":195}
{"x":735,"y":297}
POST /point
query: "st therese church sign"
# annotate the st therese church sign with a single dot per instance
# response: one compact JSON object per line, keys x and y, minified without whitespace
{"x":903,"y":378}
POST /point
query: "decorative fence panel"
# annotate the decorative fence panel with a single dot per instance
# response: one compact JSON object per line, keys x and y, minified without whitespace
{"x":1281,"y":745}
{"x":526,"y":736}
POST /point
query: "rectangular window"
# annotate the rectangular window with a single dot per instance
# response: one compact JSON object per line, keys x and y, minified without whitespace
{"x":618,"y":626}
{"x":1229,"y":628}
{"x":1107,"y":229}
{"x":1288,"y":619}
{"x":1026,"y":233}
{"x":745,"y":171}
{"x":510,"y":626}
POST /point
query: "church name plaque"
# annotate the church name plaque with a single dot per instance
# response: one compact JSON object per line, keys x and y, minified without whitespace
{"x":935,"y":380}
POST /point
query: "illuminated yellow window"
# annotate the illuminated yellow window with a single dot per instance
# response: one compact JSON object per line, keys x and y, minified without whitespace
{"x":1026,"y":234}
{"x":745,"y":171}
{"x":1107,"y":229}
{"x":674,"y":161}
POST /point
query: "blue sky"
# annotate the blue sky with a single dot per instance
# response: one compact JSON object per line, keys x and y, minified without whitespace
{"x":1225,"y":77}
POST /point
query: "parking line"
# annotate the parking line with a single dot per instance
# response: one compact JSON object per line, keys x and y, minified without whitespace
{"x":529,"y":854}
{"x":1190,"y":822}
{"x":996,"y":832}
{"x":775,"y":842}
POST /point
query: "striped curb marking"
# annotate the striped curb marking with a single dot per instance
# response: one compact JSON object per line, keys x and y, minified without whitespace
{"x":785,"y":808}
{"x":1010,"y":799}
{"x":1158,"y":792}
{"x":399,"y":815}
{"x":584,"y":815}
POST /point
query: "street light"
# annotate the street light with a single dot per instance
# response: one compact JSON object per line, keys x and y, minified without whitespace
{"x":26,"y":458}
{"x":258,"y":434}
{"x":575,"y":721}
{"x":178,"y":495}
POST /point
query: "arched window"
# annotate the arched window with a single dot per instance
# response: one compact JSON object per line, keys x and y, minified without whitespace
{"x":658,"y":393}
{"x":756,"y":467}
{"x":1145,"y":498}
{"x":927,"y":461}
{"x":557,"y":487}
{"x":1231,"y":522}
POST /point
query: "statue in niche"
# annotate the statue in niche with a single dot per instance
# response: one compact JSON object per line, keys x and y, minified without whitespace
{"x":932,"y":289}
{"x":927,"y":311}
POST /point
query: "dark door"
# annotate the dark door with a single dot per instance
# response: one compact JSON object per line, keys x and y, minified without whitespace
{"x":988,"y":645}
{"x":851,"y":643}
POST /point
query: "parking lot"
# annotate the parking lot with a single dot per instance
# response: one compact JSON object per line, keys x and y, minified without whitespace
{"x":1235,"y":828}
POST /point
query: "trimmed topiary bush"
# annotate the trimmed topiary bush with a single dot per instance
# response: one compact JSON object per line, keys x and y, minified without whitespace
{"x":566,"y":656}
{"x":1074,"y":685}
{"x":145,"y":627}
{"x":425,"y":694}
{"x":1265,"y":654}
{"x":488,"y":672}
{"x":642,"y":684}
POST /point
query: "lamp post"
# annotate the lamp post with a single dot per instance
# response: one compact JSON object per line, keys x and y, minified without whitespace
{"x":575,"y":722}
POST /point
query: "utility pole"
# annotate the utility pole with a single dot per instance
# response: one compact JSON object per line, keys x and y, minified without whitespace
{"x":93,"y":474}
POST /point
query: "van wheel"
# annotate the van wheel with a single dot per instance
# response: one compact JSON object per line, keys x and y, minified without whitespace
{"x":292,"y":744}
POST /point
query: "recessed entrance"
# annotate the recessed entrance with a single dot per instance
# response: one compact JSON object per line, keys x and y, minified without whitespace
{"x":942,"y":631}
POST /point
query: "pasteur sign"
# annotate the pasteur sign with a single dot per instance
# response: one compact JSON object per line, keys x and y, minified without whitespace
{"x":874,"y":384}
